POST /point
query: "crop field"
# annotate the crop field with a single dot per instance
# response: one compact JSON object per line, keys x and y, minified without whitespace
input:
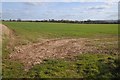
{"x":64,"y":50}
{"x":61,"y":30}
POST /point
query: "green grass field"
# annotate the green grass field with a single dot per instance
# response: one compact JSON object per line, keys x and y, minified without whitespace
{"x":61,"y":30}
{"x":102,"y":66}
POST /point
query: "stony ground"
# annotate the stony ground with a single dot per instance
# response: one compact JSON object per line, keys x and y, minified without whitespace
{"x":35,"y":53}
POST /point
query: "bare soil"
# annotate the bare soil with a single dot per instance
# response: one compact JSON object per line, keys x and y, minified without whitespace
{"x":35,"y":53}
{"x":5,"y":30}
{"x":8,"y":34}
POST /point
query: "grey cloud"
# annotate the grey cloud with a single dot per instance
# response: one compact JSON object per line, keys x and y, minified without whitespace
{"x":97,"y":7}
{"x":33,"y":3}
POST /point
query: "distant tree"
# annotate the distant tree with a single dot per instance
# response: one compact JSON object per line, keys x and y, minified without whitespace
{"x":19,"y":20}
{"x":10,"y":20}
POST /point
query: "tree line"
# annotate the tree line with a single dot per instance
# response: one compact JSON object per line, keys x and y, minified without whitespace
{"x":70,"y":21}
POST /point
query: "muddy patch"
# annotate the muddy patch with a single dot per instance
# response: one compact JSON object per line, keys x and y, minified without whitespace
{"x":35,"y":53}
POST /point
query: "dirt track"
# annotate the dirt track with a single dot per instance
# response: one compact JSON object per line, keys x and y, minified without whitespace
{"x":35,"y":53}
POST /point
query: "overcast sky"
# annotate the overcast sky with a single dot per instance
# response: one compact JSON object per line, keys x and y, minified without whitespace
{"x":60,"y":10}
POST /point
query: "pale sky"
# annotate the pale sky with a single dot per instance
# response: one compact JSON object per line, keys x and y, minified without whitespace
{"x":103,"y":10}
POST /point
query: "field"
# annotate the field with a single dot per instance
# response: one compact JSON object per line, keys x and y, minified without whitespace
{"x":52,"y":50}
{"x":59,"y":30}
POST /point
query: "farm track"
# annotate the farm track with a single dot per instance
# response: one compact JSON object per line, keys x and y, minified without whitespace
{"x":34,"y":53}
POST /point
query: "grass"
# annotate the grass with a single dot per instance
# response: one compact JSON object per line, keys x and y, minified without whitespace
{"x":82,"y":66}
{"x":89,"y":66}
{"x":10,"y":69}
{"x":35,"y":30}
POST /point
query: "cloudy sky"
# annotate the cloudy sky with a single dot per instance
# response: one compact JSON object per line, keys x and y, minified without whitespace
{"x":83,"y":10}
